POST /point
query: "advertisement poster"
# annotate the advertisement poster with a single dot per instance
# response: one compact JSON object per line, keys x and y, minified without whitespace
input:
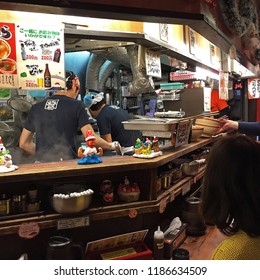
{"x":40,"y":56}
{"x":8,"y":63}
{"x":253,"y":88}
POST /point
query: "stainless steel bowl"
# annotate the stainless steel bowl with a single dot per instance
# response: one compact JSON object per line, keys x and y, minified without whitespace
{"x":71,"y":204}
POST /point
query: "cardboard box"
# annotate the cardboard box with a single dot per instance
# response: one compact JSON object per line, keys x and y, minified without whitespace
{"x":129,"y":246}
{"x":173,"y":240}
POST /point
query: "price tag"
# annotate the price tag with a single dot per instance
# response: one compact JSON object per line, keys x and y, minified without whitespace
{"x":73,"y":223}
{"x":172,"y":196}
{"x":185,"y":188}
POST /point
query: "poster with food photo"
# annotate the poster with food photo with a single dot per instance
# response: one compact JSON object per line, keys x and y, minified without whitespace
{"x":40,"y":56}
{"x":8,"y":62}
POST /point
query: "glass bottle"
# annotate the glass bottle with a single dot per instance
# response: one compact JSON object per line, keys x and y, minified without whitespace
{"x":47,"y":76}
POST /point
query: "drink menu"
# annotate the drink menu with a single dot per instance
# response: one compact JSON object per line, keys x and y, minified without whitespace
{"x":31,"y":57}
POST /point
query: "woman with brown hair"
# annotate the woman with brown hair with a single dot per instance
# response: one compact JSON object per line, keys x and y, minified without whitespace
{"x":231,"y":196}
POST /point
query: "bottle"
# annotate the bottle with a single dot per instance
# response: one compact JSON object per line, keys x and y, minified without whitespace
{"x":158,"y":244}
{"x":56,"y":56}
{"x":47,"y":76}
{"x":23,"y":52}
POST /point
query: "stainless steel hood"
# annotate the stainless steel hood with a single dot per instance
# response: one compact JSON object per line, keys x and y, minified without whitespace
{"x":99,"y":42}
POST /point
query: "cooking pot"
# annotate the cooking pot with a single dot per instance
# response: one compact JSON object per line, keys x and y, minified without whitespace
{"x":190,"y":168}
{"x":62,"y":248}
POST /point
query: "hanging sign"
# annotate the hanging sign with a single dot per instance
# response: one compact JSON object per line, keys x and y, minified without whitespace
{"x":40,"y":56}
{"x":8,"y":63}
{"x":223,"y":85}
{"x":253,"y":88}
{"x":153,"y":63}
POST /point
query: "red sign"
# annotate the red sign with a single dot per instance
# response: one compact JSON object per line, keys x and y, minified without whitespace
{"x":8,"y":62}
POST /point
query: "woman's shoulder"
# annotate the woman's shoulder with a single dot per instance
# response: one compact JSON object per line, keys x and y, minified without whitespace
{"x":239,"y":246}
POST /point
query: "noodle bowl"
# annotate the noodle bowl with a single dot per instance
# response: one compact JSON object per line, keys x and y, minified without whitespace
{"x":4,"y":49}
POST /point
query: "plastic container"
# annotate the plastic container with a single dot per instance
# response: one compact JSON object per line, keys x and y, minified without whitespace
{"x":158,"y":244}
{"x":170,"y":86}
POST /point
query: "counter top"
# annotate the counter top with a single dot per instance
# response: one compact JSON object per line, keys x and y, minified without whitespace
{"x":112,"y":164}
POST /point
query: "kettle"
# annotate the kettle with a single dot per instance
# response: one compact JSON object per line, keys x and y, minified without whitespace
{"x":62,"y":248}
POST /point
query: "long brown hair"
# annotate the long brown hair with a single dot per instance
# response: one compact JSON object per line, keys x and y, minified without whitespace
{"x":231,"y":185}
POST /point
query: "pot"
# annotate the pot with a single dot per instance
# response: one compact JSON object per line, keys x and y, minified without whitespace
{"x":62,"y":248}
{"x":191,"y":168}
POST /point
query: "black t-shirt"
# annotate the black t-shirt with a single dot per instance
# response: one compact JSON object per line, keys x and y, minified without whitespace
{"x":109,"y":121}
{"x":56,"y":121}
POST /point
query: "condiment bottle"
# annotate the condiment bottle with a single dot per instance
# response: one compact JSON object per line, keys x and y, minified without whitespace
{"x":4,"y":205}
{"x":57,"y":54}
{"x":47,"y":76}
{"x":158,"y":244}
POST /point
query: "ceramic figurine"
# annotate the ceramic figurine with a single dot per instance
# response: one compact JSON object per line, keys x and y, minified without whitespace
{"x":155,"y":144}
{"x":6,"y":163}
{"x":90,"y":154}
{"x":138,"y":146}
{"x":106,"y":191}
{"x":128,"y":192}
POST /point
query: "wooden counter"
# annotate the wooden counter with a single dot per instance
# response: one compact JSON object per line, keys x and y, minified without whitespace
{"x":63,"y":169}
{"x":98,"y":221}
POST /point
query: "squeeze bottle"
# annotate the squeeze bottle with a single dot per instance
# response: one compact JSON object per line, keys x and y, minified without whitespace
{"x":158,"y":244}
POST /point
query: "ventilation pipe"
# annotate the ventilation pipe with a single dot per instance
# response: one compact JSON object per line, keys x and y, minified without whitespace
{"x":93,"y":68}
{"x":140,"y":83}
{"x":104,"y":73}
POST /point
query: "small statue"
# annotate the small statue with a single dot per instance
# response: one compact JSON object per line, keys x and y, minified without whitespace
{"x":155,"y":144}
{"x":106,"y":191}
{"x":90,"y":153}
{"x":6,"y":162}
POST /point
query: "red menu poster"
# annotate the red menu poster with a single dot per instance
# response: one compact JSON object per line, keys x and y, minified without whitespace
{"x":8,"y":62}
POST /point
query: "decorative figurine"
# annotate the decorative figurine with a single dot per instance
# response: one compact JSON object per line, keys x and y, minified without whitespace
{"x":6,"y":163}
{"x":155,"y":144}
{"x":128,"y":192}
{"x":90,"y":154}
{"x":148,"y":149}
{"x":106,"y":191}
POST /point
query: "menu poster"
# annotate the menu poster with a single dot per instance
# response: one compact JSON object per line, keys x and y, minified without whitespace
{"x":153,"y":63}
{"x":8,"y":63}
{"x":40,"y":56}
{"x":253,"y":88}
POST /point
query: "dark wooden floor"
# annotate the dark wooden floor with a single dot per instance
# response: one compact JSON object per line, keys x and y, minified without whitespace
{"x":202,"y":247}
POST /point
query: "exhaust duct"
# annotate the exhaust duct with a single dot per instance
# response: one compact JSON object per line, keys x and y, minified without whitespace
{"x":140,"y":83}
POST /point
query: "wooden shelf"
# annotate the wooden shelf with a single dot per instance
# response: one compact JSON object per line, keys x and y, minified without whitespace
{"x":151,"y":202}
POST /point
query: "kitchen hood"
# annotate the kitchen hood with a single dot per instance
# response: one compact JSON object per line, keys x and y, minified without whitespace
{"x":99,"y":42}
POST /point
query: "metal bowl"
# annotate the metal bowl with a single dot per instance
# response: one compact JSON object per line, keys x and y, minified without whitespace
{"x":71,"y":204}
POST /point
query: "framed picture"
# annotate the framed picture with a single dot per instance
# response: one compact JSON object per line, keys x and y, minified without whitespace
{"x":164,"y":32}
{"x":192,"y":41}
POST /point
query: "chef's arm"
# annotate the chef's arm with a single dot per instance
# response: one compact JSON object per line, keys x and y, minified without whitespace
{"x":100,"y":142}
{"x":26,"y":142}
{"x":107,"y":137}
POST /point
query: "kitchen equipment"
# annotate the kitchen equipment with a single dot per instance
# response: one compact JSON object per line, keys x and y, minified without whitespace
{"x":192,"y":216}
{"x":21,"y":108}
{"x":166,"y":178}
{"x":62,"y":248}
{"x":190,"y":168}
{"x":71,"y":203}
{"x":10,"y":134}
